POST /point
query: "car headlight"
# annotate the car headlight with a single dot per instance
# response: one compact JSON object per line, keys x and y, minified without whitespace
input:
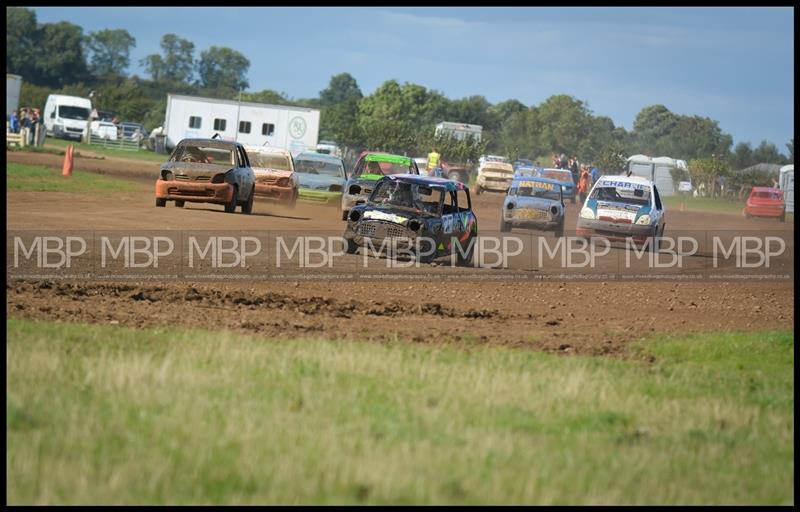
{"x":587,"y":213}
{"x":644,"y":220}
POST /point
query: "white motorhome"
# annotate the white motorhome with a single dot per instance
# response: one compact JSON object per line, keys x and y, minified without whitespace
{"x":295,"y":129}
{"x":13,"y":87}
{"x":459,"y":130}
{"x":656,"y":170}
{"x":787,"y":185}
{"x":66,"y":116}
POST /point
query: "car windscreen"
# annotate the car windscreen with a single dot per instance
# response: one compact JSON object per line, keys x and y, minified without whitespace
{"x":396,"y":194}
{"x":70,"y":112}
{"x":627,"y":193}
{"x":565,"y":177}
{"x":536,"y":189}
{"x":203,"y":155}
{"x":268,"y":161}
{"x":385,"y":168}
{"x":320,"y":167}
{"x":766,"y":195}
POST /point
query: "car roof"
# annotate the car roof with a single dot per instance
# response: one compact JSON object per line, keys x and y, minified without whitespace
{"x":428,"y":181}
{"x":517,"y":179}
{"x":214,"y":143}
{"x":374,"y":156}
{"x":554,"y":169}
{"x":266,"y":150}
{"x":497,"y":165}
{"x":638,"y":180}
{"x":311,"y":155}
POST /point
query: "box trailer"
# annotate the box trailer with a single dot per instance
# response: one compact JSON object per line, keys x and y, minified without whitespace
{"x":787,"y":185}
{"x":295,"y":129}
{"x":658,"y":170}
{"x":13,"y":87}
{"x":459,"y":130}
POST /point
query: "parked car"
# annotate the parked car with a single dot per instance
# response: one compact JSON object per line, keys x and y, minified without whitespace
{"x":129,"y":130}
{"x":534,"y":203}
{"x":371,"y":167}
{"x":207,"y":171}
{"x":522,"y":164}
{"x":765,"y":202}
{"x":321,"y":177}
{"x":493,"y":175}
{"x":104,"y":130}
{"x":565,"y":178}
{"x":621,"y":207}
{"x":276,"y":180}
{"x":428,"y":216}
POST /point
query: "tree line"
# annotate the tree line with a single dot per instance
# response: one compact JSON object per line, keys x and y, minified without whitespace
{"x":396,"y":117}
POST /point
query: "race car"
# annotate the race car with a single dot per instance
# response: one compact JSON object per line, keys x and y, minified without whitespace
{"x":371,"y":167}
{"x":563,"y":176}
{"x":765,"y":202}
{"x":622,"y":207}
{"x":495,"y":176}
{"x":207,"y":171}
{"x":428,"y":216}
{"x":534,"y":203}
{"x":321,"y":177}
{"x":275,"y":177}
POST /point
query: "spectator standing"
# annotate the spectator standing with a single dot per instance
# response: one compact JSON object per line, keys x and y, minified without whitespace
{"x":13,"y":122}
{"x":574,"y":169}
{"x":583,"y":184}
{"x":595,"y":174}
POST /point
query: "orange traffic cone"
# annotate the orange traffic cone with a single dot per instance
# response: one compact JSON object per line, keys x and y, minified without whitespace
{"x":67,"y":169}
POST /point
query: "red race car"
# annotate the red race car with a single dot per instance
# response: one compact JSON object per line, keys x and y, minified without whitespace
{"x":765,"y":202}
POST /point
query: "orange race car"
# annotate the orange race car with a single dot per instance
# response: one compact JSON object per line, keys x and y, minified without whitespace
{"x":276,"y":179}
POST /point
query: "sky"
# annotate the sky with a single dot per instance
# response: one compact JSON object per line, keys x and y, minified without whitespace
{"x":734,"y":65}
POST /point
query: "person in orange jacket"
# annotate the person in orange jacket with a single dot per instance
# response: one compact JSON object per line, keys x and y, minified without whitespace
{"x":583,"y":183}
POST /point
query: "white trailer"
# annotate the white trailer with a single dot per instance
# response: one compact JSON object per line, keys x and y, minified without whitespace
{"x":459,"y":130}
{"x":295,"y":129}
{"x":13,"y":87}
{"x":656,"y":170}
{"x":787,"y":185}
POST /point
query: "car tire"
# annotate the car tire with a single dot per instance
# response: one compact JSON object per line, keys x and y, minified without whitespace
{"x":161,"y":202}
{"x":247,"y":207}
{"x":293,"y":202}
{"x":505,"y":227}
{"x":231,"y":206}
{"x":179,"y":204}
{"x":352,"y":247}
{"x":478,"y":190}
{"x":345,"y":213}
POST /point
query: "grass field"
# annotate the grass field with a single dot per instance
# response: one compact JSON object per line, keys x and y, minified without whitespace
{"x":35,"y":178}
{"x":141,"y":154}
{"x":102,"y":414}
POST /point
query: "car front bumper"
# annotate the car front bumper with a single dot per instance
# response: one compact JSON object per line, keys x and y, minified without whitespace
{"x":274,"y":193}
{"x":613,"y":230}
{"x":219,"y":193}
{"x":764,"y":211}
{"x":319,"y":196}
{"x":498,"y":184}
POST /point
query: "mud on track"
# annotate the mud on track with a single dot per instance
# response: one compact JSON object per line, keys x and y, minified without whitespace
{"x":563,"y":317}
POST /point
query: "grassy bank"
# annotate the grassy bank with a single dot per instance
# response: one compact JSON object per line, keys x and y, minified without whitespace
{"x":99,"y":414}
{"x":37,"y":178}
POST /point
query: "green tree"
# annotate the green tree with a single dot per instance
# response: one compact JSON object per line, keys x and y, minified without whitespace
{"x":109,"y":51}
{"x":266,"y":96}
{"x":176,"y":62}
{"x":59,"y":55}
{"x":383,"y":119}
{"x":652,"y":126}
{"x":561,"y":123}
{"x":611,"y":159}
{"x":21,"y":40}
{"x":223,"y":67}
{"x":790,"y":147}
{"x":707,"y":171}
{"x":768,"y":153}
{"x":698,"y":137}
{"x":342,"y":87}
{"x":742,"y":156}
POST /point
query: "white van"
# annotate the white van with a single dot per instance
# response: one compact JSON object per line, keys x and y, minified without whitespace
{"x":66,"y":116}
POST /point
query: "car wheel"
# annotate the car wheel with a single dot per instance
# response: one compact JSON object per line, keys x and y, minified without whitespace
{"x":344,"y":214}
{"x":161,"y":202}
{"x":293,"y":201}
{"x":352,"y":247}
{"x":782,"y":218}
{"x":179,"y":204}
{"x":231,"y":206}
{"x":478,"y":190}
{"x":505,"y":227}
{"x":247,"y":208}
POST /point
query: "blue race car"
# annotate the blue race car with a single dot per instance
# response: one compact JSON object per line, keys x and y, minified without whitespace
{"x":568,"y":188}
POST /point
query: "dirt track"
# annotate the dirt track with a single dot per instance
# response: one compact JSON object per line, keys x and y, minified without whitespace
{"x":570,"y":317}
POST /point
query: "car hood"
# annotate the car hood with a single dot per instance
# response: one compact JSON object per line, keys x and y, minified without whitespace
{"x":611,"y":210}
{"x":193,"y":170}
{"x":395,"y":215}
{"x":319,"y":181}
{"x":273,"y":173}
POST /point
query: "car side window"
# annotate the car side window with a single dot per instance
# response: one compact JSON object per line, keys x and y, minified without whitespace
{"x":657,"y":198}
{"x":450,"y":203}
{"x":463,"y":202}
